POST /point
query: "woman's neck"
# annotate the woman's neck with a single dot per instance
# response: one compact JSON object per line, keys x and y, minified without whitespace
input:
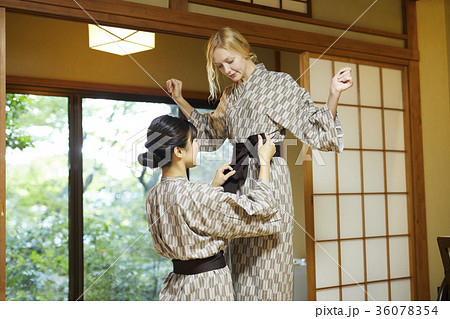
{"x":174,"y":171}
{"x":249,"y":68}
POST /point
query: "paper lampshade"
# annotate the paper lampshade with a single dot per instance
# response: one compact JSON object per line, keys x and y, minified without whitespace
{"x":119,"y":41}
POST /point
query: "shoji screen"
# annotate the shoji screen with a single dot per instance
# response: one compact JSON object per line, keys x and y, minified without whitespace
{"x":357,"y":204}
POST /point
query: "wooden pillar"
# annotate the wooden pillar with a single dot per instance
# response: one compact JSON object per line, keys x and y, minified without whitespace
{"x":178,"y":5}
{"x":309,"y":208}
{"x":422,"y":280}
{"x":2,"y":153}
{"x":76,"y":257}
{"x":278,"y":61}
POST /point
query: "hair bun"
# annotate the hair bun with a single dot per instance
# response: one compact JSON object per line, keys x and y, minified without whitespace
{"x":163,"y":135}
{"x":148,"y":159}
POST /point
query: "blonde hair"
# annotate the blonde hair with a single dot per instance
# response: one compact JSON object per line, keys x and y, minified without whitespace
{"x":228,"y":39}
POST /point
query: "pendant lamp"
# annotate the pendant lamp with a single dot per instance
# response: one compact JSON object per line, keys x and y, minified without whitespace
{"x":120,"y":41}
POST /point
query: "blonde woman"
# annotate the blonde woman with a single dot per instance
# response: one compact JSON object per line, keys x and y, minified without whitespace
{"x":261,"y":101}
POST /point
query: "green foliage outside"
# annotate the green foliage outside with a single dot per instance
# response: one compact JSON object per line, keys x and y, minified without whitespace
{"x":36,"y":200}
{"x":120,"y":263}
{"x":114,"y":204}
{"x":16,"y":106}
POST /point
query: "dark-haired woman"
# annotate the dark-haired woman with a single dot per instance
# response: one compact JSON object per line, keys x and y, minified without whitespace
{"x":262,"y":101}
{"x":191,"y":222}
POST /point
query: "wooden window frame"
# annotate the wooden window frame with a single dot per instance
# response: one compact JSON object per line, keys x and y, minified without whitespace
{"x":76,"y":92}
{"x":298,"y":17}
{"x":2,"y":153}
{"x":251,"y":7}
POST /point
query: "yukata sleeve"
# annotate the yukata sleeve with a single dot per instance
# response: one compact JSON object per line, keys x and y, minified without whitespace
{"x":294,"y":109}
{"x":211,"y":128}
{"x":226,"y":215}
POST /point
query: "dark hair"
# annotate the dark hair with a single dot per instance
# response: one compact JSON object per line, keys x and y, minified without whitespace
{"x":163,"y":135}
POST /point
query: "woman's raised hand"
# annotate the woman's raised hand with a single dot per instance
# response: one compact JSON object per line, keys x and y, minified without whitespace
{"x":265,"y":151}
{"x":342,"y":80}
{"x":175,"y":87}
{"x":220,"y":176}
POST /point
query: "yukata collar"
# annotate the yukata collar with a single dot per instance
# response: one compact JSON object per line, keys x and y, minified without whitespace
{"x":177,"y":178}
{"x":260,"y":68}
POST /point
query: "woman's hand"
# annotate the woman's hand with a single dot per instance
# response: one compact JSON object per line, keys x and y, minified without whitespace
{"x":342,"y":81}
{"x":220,"y":177}
{"x":175,"y":87}
{"x":265,"y":151}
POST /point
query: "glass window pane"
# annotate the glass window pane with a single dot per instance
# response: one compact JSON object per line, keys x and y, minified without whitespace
{"x":392,"y":88}
{"x":369,"y":77}
{"x":349,"y":172}
{"x":208,"y":162}
{"x":115,"y":225}
{"x":320,"y":79}
{"x":350,"y":213}
{"x":376,"y":259}
{"x":375,"y":215}
{"x":371,"y":127}
{"x":395,"y":134}
{"x":327,"y":264}
{"x":37,"y":198}
{"x":325,"y":217}
{"x":352,"y":261}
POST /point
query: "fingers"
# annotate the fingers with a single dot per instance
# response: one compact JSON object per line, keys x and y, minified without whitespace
{"x":344,"y":74}
{"x":268,"y":139}
{"x":350,"y":82}
{"x":345,"y":79}
{"x":229,"y":174}
{"x":225,"y":166}
{"x":173,"y":84}
{"x":260,"y":142}
{"x":345,"y":69}
{"x":271,"y":144}
{"x":169,"y":85}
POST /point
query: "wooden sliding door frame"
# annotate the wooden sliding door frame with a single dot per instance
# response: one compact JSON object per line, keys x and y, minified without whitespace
{"x":419,"y":289}
{"x":417,"y":176}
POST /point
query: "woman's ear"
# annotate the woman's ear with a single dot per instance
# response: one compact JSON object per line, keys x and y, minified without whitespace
{"x":178,"y":152}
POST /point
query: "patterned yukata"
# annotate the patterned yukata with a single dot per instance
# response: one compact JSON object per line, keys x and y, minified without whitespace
{"x":194,"y":221}
{"x":262,"y":267}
